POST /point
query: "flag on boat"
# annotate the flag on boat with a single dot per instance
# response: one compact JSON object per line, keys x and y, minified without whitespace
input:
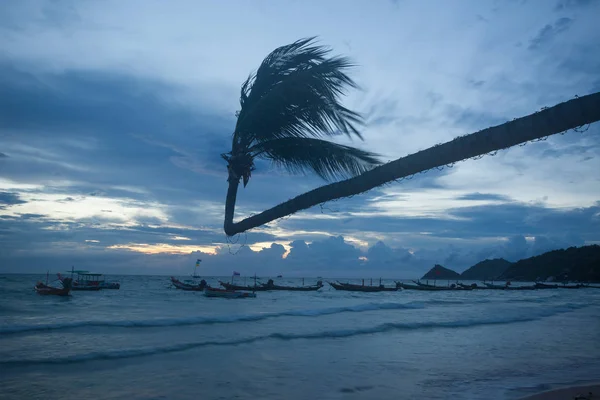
{"x":235,"y":273}
{"x":198,"y":261}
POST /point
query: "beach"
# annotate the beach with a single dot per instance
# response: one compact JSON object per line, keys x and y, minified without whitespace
{"x":151,"y":341}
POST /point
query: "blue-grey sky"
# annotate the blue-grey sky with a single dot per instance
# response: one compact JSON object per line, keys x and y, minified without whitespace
{"x":113,"y":116}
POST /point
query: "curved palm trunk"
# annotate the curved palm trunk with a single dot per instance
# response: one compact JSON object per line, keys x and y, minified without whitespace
{"x":550,"y":121}
{"x":234,"y":182}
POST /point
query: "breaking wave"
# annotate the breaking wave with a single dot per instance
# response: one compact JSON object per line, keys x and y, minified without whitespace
{"x":331,"y":334}
{"x":154,"y":323}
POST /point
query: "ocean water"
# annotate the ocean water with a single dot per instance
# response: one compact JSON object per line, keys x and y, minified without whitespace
{"x":151,"y":341}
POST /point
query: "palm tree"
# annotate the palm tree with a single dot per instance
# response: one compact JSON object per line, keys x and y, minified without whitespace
{"x":287,"y":107}
{"x":294,"y":95}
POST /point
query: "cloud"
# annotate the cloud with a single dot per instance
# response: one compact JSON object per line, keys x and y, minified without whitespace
{"x":549,"y":32}
{"x":9,"y":199}
{"x":110,"y":144}
{"x":563,"y":5}
{"x":484,"y":196}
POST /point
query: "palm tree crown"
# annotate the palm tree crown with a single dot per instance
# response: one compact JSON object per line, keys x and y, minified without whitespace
{"x":288,"y":106}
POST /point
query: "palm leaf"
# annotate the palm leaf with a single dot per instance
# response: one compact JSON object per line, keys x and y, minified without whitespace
{"x":328,"y":160}
{"x":295,"y":93}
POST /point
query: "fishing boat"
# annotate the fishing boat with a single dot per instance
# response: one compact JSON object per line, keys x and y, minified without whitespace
{"x":531,"y":287}
{"x":428,"y":288}
{"x":89,"y":281}
{"x":188,"y":285}
{"x":84,"y":281}
{"x":349,"y":287}
{"x":228,"y":294}
{"x":270,"y":285}
{"x":449,"y":287}
{"x":472,"y":286}
{"x":44,"y":289}
{"x":231,"y":286}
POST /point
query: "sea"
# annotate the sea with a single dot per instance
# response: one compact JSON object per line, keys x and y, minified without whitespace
{"x":149,"y":340}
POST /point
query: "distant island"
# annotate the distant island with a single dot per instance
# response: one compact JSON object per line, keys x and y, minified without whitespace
{"x":439,"y":272}
{"x":573,"y":264}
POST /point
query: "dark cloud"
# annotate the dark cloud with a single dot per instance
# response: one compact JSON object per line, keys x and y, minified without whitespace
{"x":465,"y":223}
{"x":120,"y":136}
{"x":549,"y":32}
{"x":10,"y":199}
{"x":30,"y":238}
{"x":484,"y":196}
{"x":34,"y":232}
{"x":563,"y":5}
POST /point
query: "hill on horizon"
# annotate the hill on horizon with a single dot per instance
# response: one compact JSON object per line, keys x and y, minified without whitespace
{"x":439,"y":272}
{"x":486,"y":270}
{"x":572,"y":264}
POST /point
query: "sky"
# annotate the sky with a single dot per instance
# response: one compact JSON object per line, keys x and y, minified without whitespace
{"x":113,"y":116}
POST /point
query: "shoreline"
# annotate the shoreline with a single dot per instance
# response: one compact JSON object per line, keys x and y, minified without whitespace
{"x":567,"y":393}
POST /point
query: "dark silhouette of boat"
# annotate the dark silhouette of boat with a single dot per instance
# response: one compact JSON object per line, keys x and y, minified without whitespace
{"x":350,"y":287}
{"x":255,"y":288}
{"x":227,"y":294}
{"x":270,"y":285}
{"x":434,"y":287}
{"x":472,"y":286}
{"x":90,"y":282}
{"x":189,"y":286}
{"x":44,"y":289}
{"x":428,"y":288}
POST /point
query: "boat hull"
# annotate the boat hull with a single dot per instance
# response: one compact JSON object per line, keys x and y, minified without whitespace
{"x":86,"y":288}
{"x":427,"y":288}
{"x":227,"y":294}
{"x":230,"y":286}
{"x":46,"y":290}
{"x":185,"y":286}
{"x":359,"y":288}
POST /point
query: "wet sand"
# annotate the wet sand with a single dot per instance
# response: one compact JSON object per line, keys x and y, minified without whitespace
{"x":569,"y":393}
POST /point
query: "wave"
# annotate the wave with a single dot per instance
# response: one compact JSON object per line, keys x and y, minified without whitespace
{"x":155,"y":323}
{"x":332,"y":334}
{"x":174,"y":322}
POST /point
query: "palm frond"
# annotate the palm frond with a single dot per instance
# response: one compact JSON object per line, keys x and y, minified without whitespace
{"x":328,"y":160}
{"x":296,"y":93}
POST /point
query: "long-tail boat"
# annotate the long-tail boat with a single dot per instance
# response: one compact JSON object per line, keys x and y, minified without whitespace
{"x":228,"y":294}
{"x":531,"y":287}
{"x":188,"y":286}
{"x":429,"y":288}
{"x":44,"y":289}
{"x":349,"y":287}
{"x":449,"y":287}
{"x":270,"y":285}
{"x":471,"y":286}
{"x":255,"y":288}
